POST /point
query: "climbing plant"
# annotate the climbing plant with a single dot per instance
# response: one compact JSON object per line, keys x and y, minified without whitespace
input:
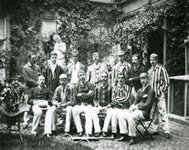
{"x":78,"y":21}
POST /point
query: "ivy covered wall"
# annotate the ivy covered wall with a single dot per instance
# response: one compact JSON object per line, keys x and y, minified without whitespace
{"x":79,"y":20}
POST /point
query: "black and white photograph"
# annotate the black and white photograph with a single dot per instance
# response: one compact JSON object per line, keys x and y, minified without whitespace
{"x":94,"y":74}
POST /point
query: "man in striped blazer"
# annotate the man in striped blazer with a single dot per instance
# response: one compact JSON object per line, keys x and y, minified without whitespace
{"x":95,"y":70}
{"x":159,"y":81}
{"x":121,"y":99}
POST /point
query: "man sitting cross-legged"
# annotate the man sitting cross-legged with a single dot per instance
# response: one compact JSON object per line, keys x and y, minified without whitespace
{"x":139,"y":110}
{"x":84,"y":99}
{"x":120,"y":100}
{"x":64,"y":100}
{"x":40,"y":99}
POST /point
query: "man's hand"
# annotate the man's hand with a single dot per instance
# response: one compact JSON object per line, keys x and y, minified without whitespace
{"x":133,"y":108}
{"x":108,"y":106}
{"x":80,"y":94}
{"x":130,"y":79}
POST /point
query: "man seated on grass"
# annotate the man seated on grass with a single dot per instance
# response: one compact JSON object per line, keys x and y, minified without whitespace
{"x":40,"y":99}
{"x":84,"y":101}
{"x":64,"y":100}
{"x":121,"y":99}
{"x":138,"y":111}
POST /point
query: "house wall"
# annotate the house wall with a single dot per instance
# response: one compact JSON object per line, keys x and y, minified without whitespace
{"x":4,"y":32}
{"x":132,"y":5}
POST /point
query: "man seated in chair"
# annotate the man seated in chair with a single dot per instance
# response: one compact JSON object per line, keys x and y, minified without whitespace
{"x":84,"y":100}
{"x":102,"y":98}
{"x":121,"y":99}
{"x":63,"y":99}
{"x":140,"y":110}
{"x":40,"y":99}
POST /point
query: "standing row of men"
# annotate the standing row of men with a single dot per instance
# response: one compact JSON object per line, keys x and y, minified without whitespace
{"x":96,"y":92}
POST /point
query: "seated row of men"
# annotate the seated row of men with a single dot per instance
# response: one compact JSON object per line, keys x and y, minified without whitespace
{"x":121,"y":108}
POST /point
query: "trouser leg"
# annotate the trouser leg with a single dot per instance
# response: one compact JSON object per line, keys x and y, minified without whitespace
{"x":76,"y":117}
{"x":36,"y":118}
{"x":114,"y":120}
{"x":96,"y":122}
{"x":163,"y":116}
{"x":88,"y":119}
{"x":26,"y":118}
{"x":50,"y":120}
{"x":122,"y":119}
{"x":107,"y":120}
{"x":68,"y":118}
{"x":132,"y":119}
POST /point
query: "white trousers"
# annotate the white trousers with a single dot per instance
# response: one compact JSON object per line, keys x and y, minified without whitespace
{"x":49,"y":119}
{"x":68,"y":118}
{"x":123,"y":124}
{"x":91,"y":117}
{"x":111,"y":117}
{"x":132,"y":118}
{"x":161,"y":120}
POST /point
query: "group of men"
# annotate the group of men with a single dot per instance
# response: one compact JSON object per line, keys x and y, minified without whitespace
{"x":125,"y":95}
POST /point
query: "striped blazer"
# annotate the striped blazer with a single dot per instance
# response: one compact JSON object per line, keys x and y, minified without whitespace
{"x":159,"y":79}
{"x":121,"y":96}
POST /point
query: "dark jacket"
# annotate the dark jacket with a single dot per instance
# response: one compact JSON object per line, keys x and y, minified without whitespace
{"x":66,"y":97}
{"x":37,"y":93}
{"x":30,"y":74}
{"x":134,"y":73}
{"x":145,"y":99}
{"x":103,"y":95}
{"x":53,"y":82}
{"x":84,"y":89}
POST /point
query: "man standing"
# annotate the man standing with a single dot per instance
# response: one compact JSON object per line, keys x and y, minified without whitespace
{"x":53,"y":72}
{"x":94,"y":71}
{"x":74,"y":67}
{"x":64,"y":100}
{"x":84,"y":100}
{"x":134,"y":74}
{"x":120,"y":100}
{"x":159,"y":80}
{"x":40,"y":99}
{"x":138,"y":111}
{"x":31,"y":71}
{"x":121,"y":67}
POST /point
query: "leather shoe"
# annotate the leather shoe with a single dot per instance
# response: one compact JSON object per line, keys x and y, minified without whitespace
{"x":97,"y":134}
{"x":123,"y":138}
{"x":132,"y":141}
{"x":80,"y":134}
{"x":104,"y":134}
